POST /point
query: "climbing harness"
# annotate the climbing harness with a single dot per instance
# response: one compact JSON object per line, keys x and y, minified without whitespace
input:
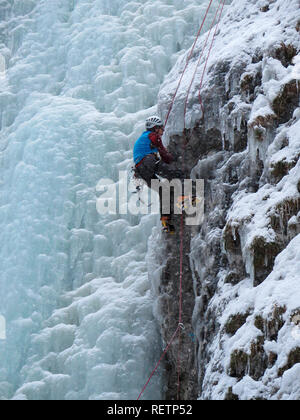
{"x":180,"y":327}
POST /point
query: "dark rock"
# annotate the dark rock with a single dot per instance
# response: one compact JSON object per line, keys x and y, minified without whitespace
{"x":285,"y":54}
{"x":253,"y":364}
{"x":293,"y":359}
{"x":286,"y":102}
{"x":235,"y":322}
{"x":230,"y":396}
{"x":264,"y":254}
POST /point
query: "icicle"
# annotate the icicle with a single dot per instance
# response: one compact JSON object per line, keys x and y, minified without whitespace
{"x":233,"y":230}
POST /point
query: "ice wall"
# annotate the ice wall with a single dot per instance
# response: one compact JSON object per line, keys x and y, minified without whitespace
{"x":81,"y":76}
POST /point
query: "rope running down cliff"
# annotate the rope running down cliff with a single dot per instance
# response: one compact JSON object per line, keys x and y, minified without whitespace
{"x":180,"y":324}
{"x":222,"y":3}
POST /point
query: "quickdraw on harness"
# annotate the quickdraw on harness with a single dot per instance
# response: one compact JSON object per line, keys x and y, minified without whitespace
{"x":139,"y":184}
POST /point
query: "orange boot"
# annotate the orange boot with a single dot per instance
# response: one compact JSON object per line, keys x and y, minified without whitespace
{"x":168,"y":226}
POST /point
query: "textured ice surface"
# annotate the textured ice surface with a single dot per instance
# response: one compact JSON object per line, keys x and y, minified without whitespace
{"x":81,"y":78}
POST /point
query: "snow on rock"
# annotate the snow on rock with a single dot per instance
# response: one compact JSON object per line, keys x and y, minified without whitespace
{"x":259,"y":32}
{"x":244,"y":259}
{"x":270,"y":330}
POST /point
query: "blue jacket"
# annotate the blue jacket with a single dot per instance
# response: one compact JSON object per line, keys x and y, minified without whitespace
{"x":143,"y":147}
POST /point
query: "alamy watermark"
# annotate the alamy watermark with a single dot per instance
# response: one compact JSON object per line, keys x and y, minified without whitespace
{"x":164,"y":197}
{"x":2,"y":328}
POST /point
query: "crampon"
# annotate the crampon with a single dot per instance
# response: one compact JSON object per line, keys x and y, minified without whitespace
{"x":185,"y":202}
{"x":167,"y":224}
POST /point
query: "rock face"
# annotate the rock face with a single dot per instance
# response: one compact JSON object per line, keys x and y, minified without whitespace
{"x":241,"y":303}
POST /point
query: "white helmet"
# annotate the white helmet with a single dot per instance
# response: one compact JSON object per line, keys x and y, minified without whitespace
{"x":152,"y":122}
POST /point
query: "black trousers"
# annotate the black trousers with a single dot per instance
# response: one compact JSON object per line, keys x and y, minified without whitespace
{"x":151,"y":168}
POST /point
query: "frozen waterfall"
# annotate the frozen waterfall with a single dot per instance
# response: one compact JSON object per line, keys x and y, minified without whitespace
{"x":78,"y":78}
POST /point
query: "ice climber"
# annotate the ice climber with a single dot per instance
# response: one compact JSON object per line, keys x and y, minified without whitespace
{"x":152,"y":159}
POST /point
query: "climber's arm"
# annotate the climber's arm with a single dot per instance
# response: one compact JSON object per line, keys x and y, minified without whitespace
{"x":164,"y":154}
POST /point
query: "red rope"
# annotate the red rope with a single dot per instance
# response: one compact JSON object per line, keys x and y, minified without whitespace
{"x":159,"y":362}
{"x":183,"y":159}
{"x":198,"y":63}
{"x":187,"y":63}
{"x":211,"y":45}
{"x":182,"y":218}
{"x":180,"y":306}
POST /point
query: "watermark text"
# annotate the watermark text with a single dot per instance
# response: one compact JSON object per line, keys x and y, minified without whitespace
{"x":164,"y":197}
